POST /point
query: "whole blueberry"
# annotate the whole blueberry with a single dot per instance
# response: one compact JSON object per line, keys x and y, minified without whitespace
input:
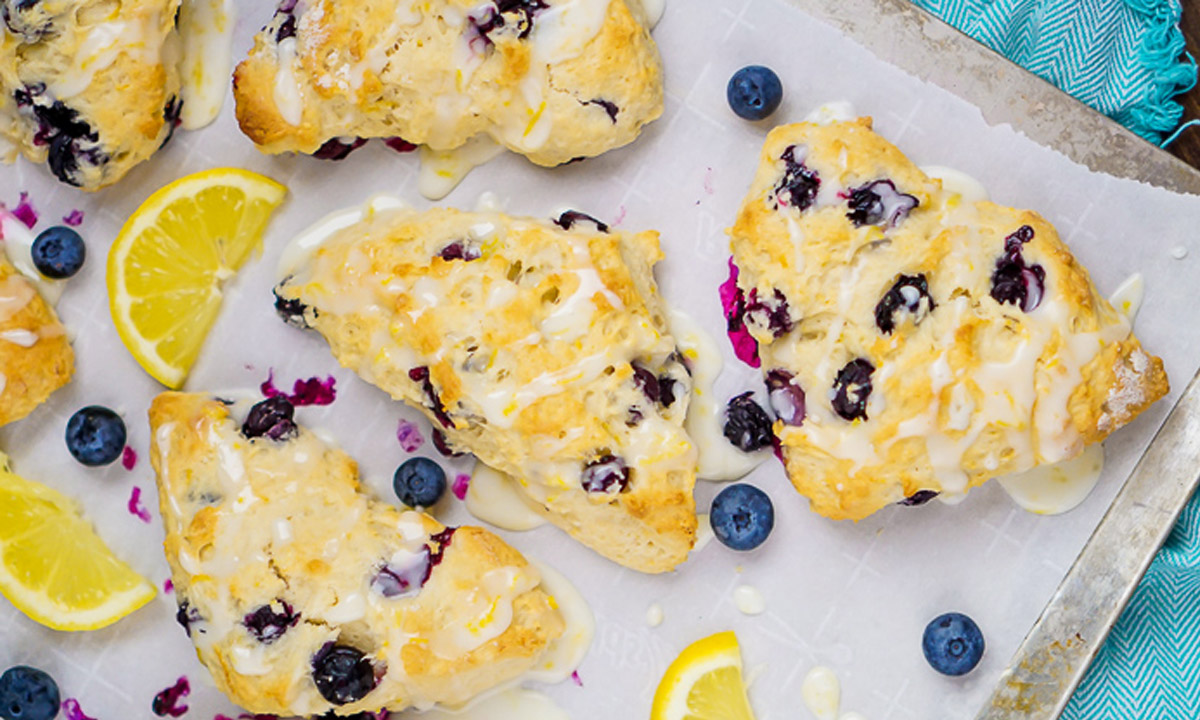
{"x":58,"y":252}
{"x":952,"y":644}
{"x":742,"y":516}
{"x":95,"y":436}
{"x":27,"y":693}
{"x":754,"y":92}
{"x":342,"y":674}
{"x":419,"y":482}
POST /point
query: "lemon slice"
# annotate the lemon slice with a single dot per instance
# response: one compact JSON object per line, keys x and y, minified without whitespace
{"x":53,"y":567}
{"x":172,"y":257}
{"x":704,"y":683}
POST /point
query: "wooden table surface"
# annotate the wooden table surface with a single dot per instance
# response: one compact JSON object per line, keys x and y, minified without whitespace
{"x":1187,"y":147}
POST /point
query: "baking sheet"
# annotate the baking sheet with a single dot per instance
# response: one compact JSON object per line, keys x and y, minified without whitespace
{"x":853,"y":597}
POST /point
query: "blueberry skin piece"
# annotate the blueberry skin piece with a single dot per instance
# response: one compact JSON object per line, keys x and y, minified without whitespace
{"x":754,"y":92}
{"x":953,"y":644}
{"x":95,"y":436}
{"x":27,"y":693}
{"x":419,"y":482}
{"x":742,"y":516}
{"x":58,"y":252}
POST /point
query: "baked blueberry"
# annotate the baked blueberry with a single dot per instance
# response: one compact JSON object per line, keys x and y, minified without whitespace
{"x":460,"y":250}
{"x":419,"y":482}
{"x":953,"y":644}
{"x":421,"y":375}
{"x":742,"y":516}
{"x":771,"y":313}
{"x":514,"y":15}
{"x":747,"y":425}
{"x":608,"y":107}
{"x":754,"y":92}
{"x":606,"y":474}
{"x":269,"y":622}
{"x":291,"y":311}
{"x":272,"y":418}
{"x":920,"y":497}
{"x":27,"y":693}
{"x":909,"y":294}
{"x":1014,"y":281}
{"x":95,"y":436}
{"x":339,"y":148}
{"x":342,"y":674}
{"x":442,"y":445}
{"x":647,"y":382}
{"x":786,"y":397}
{"x":852,"y":389}
{"x":58,"y":252}
{"x":879,"y":203}
{"x":187,"y":616}
{"x":567,"y":220}
{"x":798,"y":186}
{"x":394,"y":580}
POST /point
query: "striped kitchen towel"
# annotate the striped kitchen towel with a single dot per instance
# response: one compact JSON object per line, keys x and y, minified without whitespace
{"x":1126,"y":58}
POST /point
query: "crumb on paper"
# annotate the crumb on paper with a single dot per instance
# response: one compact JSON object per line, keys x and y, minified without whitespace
{"x":73,"y":218}
{"x":25,"y":212}
{"x":129,"y":458}
{"x":135,"y":506}
{"x":409,"y":436}
{"x":462,"y":481}
{"x":311,"y":391}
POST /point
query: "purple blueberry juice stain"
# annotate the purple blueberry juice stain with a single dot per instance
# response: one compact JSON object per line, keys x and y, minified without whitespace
{"x":462,"y":482}
{"x":1014,"y":281}
{"x":799,"y":184}
{"x":25,"y":212}
{"x":129,"y":458}
{"x":745,"y":347}
{"x":409,"y":436}
{"x":167,"y":702}
{"x":786,"y":397}
{"x":72,"y":711}
{"x":135,"y":505}
{"x":310,"y":391}
{"x":73,"y":218}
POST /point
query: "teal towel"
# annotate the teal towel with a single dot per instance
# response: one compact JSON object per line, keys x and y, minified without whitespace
{"x":1126,"y":58}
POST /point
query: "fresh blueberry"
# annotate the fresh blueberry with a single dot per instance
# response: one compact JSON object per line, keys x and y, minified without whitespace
{"x":269,"y":622}
{"x":742,"y":516}
{"x":786,"y":397}
{"x":754,"y":92}
{"x":747,"y":425}
{"x":342,"y":674}
{"x":952,"y":644}
{"x":910,"y":293}
{"x":604,"y":474}
{"x":799,"y":185}
{"x":271,"y":417}
{"x":27,"y":693}
{"x":95,"y":436}
{"x":852,"y":388}
{"x":419,"y":482}
{"x":58,"y":252}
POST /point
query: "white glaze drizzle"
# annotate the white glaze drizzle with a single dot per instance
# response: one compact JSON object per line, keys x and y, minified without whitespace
{"x":1058,"y":488}
{"x":442,"y":170}
{"x":288,"y":96}
{"x":493,"y":497}
{"x":1128,"y":296}
{"x":749,"y":600}
{"x":822,"y":693}
{"x":206,"y":27}
{"x":101,"y":45}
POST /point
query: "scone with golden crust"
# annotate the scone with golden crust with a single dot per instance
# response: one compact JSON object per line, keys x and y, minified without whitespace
{"x":35,"y":356}
{"x":89,"y":87}
{"x":554,"y":80}
{"x":914,"y":343}
{"x":542,"y":350}
{"x":305,"y":596}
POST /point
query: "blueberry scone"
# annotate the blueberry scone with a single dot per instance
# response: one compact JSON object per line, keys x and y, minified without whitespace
{"x":543,"y":350}
{"x":304,"y":596}
{"x":35,"y":356}
{"x":89,"y":87}
{"x":554,"y":80}
{"x":914,"y":343}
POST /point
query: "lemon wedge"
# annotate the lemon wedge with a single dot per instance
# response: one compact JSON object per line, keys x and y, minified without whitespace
{"x":53,"y":567}
{"x":704,"y":683}
{"x":167,"y":267}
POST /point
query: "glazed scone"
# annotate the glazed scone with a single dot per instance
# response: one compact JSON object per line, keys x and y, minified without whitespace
{"x":913,"y":343}
{"x":554,"y":80}
{"x":89,"y":87}
{"x":542,"y":350}
{"x":35,"y":356}
{"x":305,"y":596}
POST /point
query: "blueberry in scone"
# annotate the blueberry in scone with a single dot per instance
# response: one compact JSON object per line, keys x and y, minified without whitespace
{"x":554,"y":80}
{"x":88,"y":87}
{"x":914,"y":343}
{"x":543,"y":351}
{"x":304,"y":596}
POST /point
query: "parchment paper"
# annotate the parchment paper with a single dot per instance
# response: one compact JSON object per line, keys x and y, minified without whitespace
{"x":853,"y":597}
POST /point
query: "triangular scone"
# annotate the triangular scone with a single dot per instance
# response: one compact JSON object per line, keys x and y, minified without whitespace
{"x":543,"y":351}
{"x":912,"y":342}
{"x":554,"y":80}
{"x":303,"y":595}
{"x":89,"y":87}
{"x":35,"y":357}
